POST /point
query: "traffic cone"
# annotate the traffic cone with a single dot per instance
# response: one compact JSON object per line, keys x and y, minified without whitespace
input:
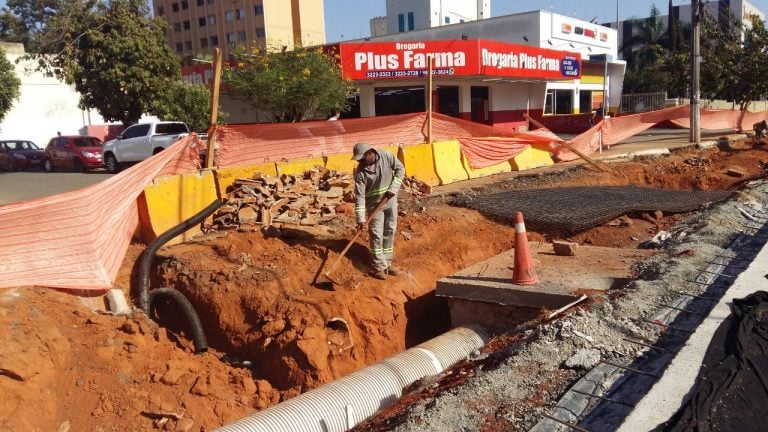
{"x":523,"y":272}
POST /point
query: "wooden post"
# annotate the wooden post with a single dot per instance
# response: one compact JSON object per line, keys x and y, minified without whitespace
{"x":429,"y":100}
{"x":214,"y":110}
{"x":569,"y":146}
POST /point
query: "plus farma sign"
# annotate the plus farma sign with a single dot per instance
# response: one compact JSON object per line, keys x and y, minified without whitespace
{"x":401,"y":60}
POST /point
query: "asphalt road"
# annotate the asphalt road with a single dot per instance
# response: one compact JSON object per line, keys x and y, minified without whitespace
{"x":27,"y":185}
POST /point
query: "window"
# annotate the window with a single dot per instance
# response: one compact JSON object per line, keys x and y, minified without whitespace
{"x":136,"y":131}
{"x":179,"y":47}
{"x":210,"y":1}
{"x":177,"y":27}
{"x":203,"y":42}
{"x":175,"y":7}
{"x":160,"y":11}
{"x":260,"y":33}
{"x":184,"y":4}
{"x":211,"y":19}
{"x":231,"y":37}
{"x":188,"y":45}
{"x":170,"y":128}
{"x":240,"y":13}
{"x":447,"y":20}
{"x":200,"y":2}
{"x":258,"y":10}
{"x":229,"y":16}
{"x":214,"y":41}
{"x":201,"y":21}
{"x":410,"y":21}
{"x":186,"y":24}
{"x":400,"y":23}
{"x":241,"y":36}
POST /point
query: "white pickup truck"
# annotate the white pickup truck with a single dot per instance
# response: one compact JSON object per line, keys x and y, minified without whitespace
{"x":140,"y":141}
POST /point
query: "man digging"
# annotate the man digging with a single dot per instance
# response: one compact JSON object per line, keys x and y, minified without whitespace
{"x":378,"y":176}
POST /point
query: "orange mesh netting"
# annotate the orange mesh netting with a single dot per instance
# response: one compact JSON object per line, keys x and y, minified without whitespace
{"x":485,"y":152}
{"x":257,"y":143}
{"x":616,"y":129}
{"x":78,"y":239}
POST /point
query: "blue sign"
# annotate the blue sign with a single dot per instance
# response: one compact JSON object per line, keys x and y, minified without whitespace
{"x":570,"y":66}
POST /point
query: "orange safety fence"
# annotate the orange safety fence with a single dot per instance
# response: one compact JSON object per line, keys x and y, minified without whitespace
{"x":616,"y":129}
{"x":78,"y":239}
{"x":259,"y":143}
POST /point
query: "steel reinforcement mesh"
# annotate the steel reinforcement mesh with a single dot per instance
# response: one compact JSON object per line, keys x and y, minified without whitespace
{"x":575,"y":209}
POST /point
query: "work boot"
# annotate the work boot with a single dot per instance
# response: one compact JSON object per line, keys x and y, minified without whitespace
{"x":395,"y":271}
{"x":378,"y":274}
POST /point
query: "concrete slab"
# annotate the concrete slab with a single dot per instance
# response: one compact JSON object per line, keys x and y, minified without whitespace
{"x":562,"y":278}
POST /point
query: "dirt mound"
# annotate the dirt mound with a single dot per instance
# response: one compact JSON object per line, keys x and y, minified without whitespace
{"x":272,"y":333}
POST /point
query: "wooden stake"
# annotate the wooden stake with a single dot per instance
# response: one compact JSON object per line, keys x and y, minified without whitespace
{"x":569,"y":146}
{"x":214,"y":110}
{"x":429,"y":101}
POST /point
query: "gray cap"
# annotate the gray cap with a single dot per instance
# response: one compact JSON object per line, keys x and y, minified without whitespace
{"x":359,"y":150}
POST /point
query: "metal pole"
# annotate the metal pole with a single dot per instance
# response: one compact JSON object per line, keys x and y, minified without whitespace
{"x":605,"y":88}
{"x":695,"y":134}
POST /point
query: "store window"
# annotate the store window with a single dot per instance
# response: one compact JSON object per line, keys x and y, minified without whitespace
{"x":559,"y":102}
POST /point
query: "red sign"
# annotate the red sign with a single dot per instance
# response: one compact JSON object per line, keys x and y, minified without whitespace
{"x":404,"y":60}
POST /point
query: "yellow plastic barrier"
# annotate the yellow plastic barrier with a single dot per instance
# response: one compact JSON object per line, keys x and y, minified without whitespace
{"x":419,"y":161}
{"x":531,"y":158}
{"x":298,"y":166}
{"x":172,"y":200}
{"x":342,"y":163}
{"x":448,"y":163}
{"x":227,"y":176}
{"x":482,"y":172}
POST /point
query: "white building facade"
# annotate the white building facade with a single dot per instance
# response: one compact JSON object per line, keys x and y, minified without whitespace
{"x":45,"y":107}
{"x":409,"y":15}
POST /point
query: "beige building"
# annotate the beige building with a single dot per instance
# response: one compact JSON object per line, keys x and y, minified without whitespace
{"x":199,"y":26}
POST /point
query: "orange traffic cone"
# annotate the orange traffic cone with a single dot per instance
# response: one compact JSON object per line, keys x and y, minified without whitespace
{"x":523,"y":272}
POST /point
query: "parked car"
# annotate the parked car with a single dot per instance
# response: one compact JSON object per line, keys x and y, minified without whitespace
{"x":20,"y":154}
{"x":140,"y":141}
{"x":78,"y":152}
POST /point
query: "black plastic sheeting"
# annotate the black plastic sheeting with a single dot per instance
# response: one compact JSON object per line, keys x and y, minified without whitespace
{"x":575,"y":209}
{"x":731,"y":392}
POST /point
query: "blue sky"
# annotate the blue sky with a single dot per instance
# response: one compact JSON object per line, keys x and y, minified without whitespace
{"x":348,"y":19}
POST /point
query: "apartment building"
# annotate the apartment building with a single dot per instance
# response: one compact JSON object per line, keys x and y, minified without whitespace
{"x":408,"y":15}
{"x":199,"y":26}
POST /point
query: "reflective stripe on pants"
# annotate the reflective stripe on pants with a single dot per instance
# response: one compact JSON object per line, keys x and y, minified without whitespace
{"x":382,"y":234}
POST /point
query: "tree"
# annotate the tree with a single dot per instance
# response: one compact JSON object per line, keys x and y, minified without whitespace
{"x":22,"y":20}
{"x":645,"y":51}
{"x":291,"y":85}
{"x":188,"y":103}
{"x":9,"y":85}
{"x":113,"y":53}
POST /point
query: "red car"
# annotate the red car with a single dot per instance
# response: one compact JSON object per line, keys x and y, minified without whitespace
{"x":81,"y":153}
{"x":20,"y":154}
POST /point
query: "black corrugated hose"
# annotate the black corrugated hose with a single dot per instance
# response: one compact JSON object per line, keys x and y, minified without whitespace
{"x":145,"y":263}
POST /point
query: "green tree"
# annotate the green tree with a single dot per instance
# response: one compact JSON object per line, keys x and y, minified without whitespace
{"x":645,"y":51}
{"x":188,"y":103}
{"x":114,"y":54}
{"x":22,"y":20}
{"x":292,"y":85}
{"x":9,"y":85}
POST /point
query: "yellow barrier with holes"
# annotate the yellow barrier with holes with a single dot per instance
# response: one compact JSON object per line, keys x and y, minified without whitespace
{"x":227,"y":176}
{"x":172,"y":200}
{"x":419,"y":161}
{"x":531,"y":158}
{"x":297,"y":167}
{"x":342,"y":163}
{"x":482,"y":172}
{"x":448,"y":165}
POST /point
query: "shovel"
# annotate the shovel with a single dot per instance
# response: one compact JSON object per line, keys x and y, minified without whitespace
{"x":335,"y":264}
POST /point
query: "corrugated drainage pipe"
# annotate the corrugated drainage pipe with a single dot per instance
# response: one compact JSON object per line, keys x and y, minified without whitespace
{"x":340,"y":405}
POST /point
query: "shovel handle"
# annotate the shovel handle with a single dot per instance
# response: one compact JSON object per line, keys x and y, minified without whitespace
{"x":375,"y":211}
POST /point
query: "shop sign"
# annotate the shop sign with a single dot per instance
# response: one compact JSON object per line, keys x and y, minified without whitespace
{"x":403,"y":60}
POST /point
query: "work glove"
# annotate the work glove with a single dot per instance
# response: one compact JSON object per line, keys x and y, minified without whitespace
{"x":360,"y":226}
{"x":389,"y":194}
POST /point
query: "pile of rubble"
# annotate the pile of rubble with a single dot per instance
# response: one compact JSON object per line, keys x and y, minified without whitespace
{"x":309,"y":200}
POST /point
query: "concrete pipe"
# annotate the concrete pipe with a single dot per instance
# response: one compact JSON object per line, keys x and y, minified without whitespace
{"x":340,"y":405}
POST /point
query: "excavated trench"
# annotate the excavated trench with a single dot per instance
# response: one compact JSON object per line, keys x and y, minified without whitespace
{"x":258,"y":299}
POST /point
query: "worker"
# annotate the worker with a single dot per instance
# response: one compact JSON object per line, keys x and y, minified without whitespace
{"x":378,"y":176}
